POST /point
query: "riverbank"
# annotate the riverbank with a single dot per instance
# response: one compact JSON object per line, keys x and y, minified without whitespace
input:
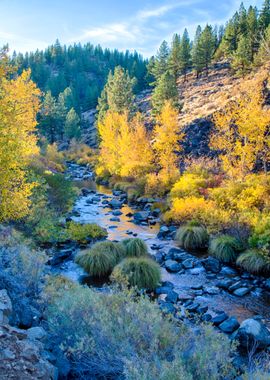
{"x":194,"y":286}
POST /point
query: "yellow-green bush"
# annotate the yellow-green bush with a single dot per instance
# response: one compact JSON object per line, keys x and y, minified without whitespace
{"x":84,"y":233}
{"x":82,"y":154}
{"x":189,"y":185}
{"x":199,"y":209}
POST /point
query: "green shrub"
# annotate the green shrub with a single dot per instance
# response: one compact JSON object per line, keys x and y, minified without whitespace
{"x":84,"y":233}
{"x":261,"y":234}
{"x":255,"y":261}
{"x":141,"y":272}
{"x":53,"y":286}
{"x":117,"y":335}
{"x":61,"y":192}
{"x":135,"y":247}
{"x":192,"y":237}
{"x":101,"y":258}
{"x":225,"y":248}
{"x":48,"y":230}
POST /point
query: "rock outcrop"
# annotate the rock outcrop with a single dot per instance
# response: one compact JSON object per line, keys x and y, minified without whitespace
{"x":22,"y":353}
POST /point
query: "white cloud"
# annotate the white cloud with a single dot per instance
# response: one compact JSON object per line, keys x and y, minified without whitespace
{"x":110,"y":32}
{"x":156,"y":12}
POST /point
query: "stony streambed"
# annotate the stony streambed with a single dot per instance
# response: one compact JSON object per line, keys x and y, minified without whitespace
{"x":196,"y":285}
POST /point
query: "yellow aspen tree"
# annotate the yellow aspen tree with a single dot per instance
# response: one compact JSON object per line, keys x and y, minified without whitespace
{"x":241,"y":131}
{"x":113,"y":137}
{"x":138,"y":159}
{"x":167,"y":134}
{"x":19,"y":104}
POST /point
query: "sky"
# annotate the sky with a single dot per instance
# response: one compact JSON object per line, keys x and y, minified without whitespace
{"x":27,"y":25}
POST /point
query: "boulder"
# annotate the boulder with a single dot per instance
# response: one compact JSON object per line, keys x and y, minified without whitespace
{"x":117,"y":213}
{"x":141,"y":216}
{"x":192,"y":307}
{"x":219,"y":318}
{"x":36,"y":333}
{"x":225,"y":284}
{"x":211,"y":264}
{"x":196,"y":271}
{"x":230,"y":325}
{"x":253,"y":332}
{"x":167,"y":307}
{"x":188,"y":263}
{"x":115,"y":204}
{"x":163,"y":232}
{"x":267,"y":284}
{"x":5,"y":307}
{"x":115,"y":219}
{"x":212,"y":290}
{"x":240,"y":292}
{"x":227,"y":271}
{"x":171,"y":297}
{"x":172,"y":266}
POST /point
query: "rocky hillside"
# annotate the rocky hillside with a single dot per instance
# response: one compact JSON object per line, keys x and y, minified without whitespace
{"x":22,"y":352}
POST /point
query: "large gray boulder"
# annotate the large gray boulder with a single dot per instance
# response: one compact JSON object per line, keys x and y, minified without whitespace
{"x":5,"y":307}
{"x":253,"y":332}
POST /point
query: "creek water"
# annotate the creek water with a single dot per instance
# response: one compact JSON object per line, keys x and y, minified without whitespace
{"x":90,"y":209}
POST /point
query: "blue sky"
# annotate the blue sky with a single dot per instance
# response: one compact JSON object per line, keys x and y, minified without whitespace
{"x":124,"y":24}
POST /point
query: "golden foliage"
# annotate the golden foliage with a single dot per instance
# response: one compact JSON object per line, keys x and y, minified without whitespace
{"x":19,"y":104}
{"x":167,"y":134}
{"x":125,"y":148}
{"x":241,"y":130}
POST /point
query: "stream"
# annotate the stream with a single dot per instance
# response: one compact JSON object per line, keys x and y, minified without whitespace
{"x":198,"y":286}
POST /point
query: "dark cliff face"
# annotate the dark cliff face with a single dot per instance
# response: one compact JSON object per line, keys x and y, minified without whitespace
{"x":196,"y":143}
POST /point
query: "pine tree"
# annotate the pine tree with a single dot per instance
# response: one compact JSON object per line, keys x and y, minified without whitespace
{"x":204,"y":49}
{"x":263,"y":55}
{"x":185,"y":53}
{"x":61,"y":113}
{"x":252,"y":29}
{"x":159,"y":65}
{"x":48,"y":115}
{"x":242,"y":21}
{"x":166,"y":90}
{"x":117,"y":95}
{"x":102,"y":106}
{"x":264,"y":19}
{"x":195,"y":51}
{"x":242,"y":58}
{"x":175,"y":56}
{"x":229,"y":41}
{"x":72,"y":125}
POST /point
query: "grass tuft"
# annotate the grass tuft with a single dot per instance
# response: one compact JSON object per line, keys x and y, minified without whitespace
{"x":135,"y":247}
{"x":192,"y":237}
{"x":142,"y":272}
{"x":254,"y":261}
{"x":101,"y":258}
{"x":225,"y":248}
